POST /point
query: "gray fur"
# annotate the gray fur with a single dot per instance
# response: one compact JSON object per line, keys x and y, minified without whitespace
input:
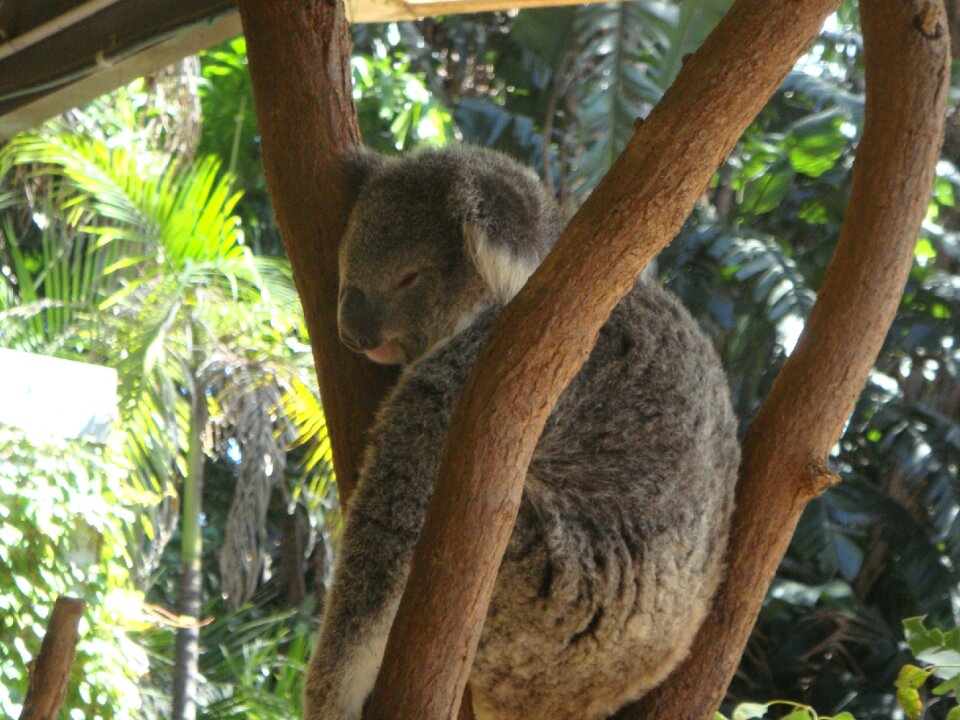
{"x":625,"y":514}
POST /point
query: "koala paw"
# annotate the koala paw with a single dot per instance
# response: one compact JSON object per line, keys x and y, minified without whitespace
{"x":331,"y":703}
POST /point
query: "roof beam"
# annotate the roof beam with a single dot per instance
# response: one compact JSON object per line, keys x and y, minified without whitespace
{"x":59,"y":54}
{"x":61,"y":59}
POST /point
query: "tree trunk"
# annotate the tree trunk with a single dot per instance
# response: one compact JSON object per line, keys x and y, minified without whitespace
{"x":187,"y":649}
{"x":50,"y":674}
{"x":298,"y":60}
{"x":299,"y":56}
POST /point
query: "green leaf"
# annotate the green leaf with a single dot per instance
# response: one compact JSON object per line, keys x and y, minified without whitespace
{"x":954,"y":714}
{"x":919,"y":638}
{"x":815,"y":143}
{"x":747,"y":711}
{"x":911,"y":676}
{"x":766,"y":192}
{"x":947,"y":686}
{"x":943,"y":192}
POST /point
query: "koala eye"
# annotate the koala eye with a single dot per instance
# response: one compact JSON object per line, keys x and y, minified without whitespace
{"x":408,"y":279}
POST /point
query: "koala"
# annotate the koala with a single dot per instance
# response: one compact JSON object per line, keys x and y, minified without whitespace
{"x":619,"y":543}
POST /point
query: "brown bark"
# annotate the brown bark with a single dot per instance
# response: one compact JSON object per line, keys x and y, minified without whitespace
{"x":546,"y":334}
{"x":543,"y":337}
{"x":51,"y":670}
{"x":299,"y":56}
{"x":953,"y":19}
{"x":291,"y":561}
{"x":785,"y":452}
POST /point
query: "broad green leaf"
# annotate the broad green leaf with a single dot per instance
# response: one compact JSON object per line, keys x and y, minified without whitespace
{"x":815,"y":143}
{"x":763,"y":194}
{"x":747,"y":711}
{"x":911,"y":676}
{"x":919,"y":638}
{"x":943,"y":191}
{"x":948,"y":686}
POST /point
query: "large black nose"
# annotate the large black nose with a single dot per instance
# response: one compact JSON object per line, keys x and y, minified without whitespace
{"x":359,"y":323}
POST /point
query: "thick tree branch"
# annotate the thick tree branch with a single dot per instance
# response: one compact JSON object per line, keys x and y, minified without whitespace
{"x":299,"y":55}
{"x":545,"y":335}
{"x":51,"y":670}
{"x":907,"y":62}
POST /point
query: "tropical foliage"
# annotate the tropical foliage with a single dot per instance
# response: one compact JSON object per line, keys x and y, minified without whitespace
{"x":159,"y":268}
{"x":64,"y":510}
{"x":143,"y":266}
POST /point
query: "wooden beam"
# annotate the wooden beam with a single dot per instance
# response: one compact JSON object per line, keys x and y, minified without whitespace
{"x":125,"y":40}
{"x":369,"y":11}
{"x":18,"y":18}
{"x":59,"y":54}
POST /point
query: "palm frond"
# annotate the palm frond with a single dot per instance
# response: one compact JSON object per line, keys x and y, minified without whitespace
{"x":629,"y":54}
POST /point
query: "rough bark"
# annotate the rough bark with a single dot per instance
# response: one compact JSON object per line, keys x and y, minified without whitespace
{"x":953,"y":18}
{"x":298,"y":60}
{"x":299,"y":57}
{"x":543,"y":337}
{"x":785,"y":452}
{"x":51,"y":670}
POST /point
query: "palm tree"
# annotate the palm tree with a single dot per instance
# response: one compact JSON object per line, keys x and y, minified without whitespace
{"x":200,"y":329}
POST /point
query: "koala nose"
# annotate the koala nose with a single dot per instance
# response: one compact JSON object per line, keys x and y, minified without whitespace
{"x":359,"y":324}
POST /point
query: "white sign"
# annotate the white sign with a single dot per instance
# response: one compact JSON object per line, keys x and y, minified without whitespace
{"x":49,"y":396}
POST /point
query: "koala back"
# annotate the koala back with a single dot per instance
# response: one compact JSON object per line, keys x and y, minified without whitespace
{"x":619,"y":542}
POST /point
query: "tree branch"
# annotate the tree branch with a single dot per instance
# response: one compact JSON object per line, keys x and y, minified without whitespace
{"x":50,"y":674}
{"x":907,"y":62}
{"x":299,"y":57}
{"x":543,"y":337}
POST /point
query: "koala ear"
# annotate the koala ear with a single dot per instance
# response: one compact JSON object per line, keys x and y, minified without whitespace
{"x":360,"y":164}
{"x":500,"y":227}
{"x":501,"y":268}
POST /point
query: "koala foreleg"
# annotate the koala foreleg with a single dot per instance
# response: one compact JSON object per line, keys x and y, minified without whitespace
{"x":344,"y":666}
{"x":381,"y":530}
{"x":368,"y":583}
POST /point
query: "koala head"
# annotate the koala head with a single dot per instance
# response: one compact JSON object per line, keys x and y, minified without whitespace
{"x":434,"y":239}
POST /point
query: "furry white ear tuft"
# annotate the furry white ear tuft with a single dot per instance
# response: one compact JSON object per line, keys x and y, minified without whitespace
{"x":502,"y":271}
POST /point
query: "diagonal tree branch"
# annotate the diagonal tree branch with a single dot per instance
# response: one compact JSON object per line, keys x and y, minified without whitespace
{"x":785,"y":452}
{"x":298,"y":59}
{"x":544,"y":336}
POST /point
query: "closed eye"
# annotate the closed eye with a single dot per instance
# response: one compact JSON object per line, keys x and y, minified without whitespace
{"x":408,"y":279}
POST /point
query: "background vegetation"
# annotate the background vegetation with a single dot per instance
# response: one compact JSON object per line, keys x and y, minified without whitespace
{"x":137,"y":233}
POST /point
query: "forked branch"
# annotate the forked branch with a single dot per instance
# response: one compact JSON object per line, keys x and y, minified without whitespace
{"x":907,"y":62}
{"x":299,"y":62}
{"x":543,"y":337}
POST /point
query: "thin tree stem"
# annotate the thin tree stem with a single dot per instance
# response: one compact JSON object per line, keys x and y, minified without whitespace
{"x":187,"y":650}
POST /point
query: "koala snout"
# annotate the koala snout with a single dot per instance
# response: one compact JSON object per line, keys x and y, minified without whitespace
{"x":359,"y":323}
